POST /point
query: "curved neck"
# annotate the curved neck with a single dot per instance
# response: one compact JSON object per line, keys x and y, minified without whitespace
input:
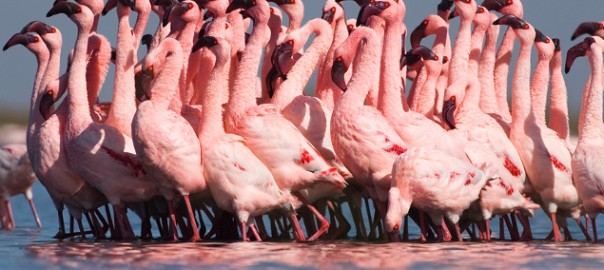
{"x":163,"y":90}
{"x":488,"y":103}
{"x":243,"y":93}
{"x":592,"y":126}
{"x":95,"y":23}
{"x":139,"y":27}
{"x":35,"y":117}
{"x":123,"y":102}
{"x":558,"y":110}
{"x":326,"y":90}
{"x":521,"y":100}
{"x":461,"y":53}
{"x":77,"y":99}
{"x":301,"y":71}
{"x":476,"y":48}
{"x":212,"y":120}
{"x":275,"y":28}
{"x":98,"y":65}
{"x":54,"y":65}
{"x":389,"y":97}
{"x":539,"y":83}
{"x":185,"y":37}
{"x":427,"y":95}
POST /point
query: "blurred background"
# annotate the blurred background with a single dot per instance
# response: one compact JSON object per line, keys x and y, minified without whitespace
{"x":555,"y":18}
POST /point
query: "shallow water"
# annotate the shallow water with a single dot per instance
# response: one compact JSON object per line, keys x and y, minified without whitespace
{"x":29,"y":248}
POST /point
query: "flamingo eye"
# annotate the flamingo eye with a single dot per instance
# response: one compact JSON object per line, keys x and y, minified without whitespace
{"x":333,"y":9}
{"x":272,"y":10}
{"x":526,"y":26}
{"x":189,"y":5}
{"x":36,"y":39}
{"x":350,"y":27}
{"x":425,"y":22}
{"x":436,"y":58}
{"x":50,"y":92}
{"x":290,"y":42}
{"x":547,"y":40}
{"x":509,"y":2}
{"x":445,"y":59}
{"x":53,"y":30}
{"x":452,"y":98}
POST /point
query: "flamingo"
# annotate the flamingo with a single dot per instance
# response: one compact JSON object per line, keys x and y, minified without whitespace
{"x":434,"y":182}
{"x":102,"y":155}
{"x":588,"y":176}
{"x":16,"y":177}
{"x":363,"y":138}
{"x":545,"y":155}
{"x":558,"y":109}
{"x":239,"y":181}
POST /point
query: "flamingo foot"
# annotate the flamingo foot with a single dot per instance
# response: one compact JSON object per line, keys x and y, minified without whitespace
{"x":61,"y":233}
{"x":192,"y":221}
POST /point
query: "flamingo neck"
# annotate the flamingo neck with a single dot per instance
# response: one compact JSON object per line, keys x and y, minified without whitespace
{"x":476,"y":47}
{"x":521,"y":100}
{"x":275,"y":28}
{"x":390,"y":101}
{"x":163,"y":90}
{"x":139,"y":28}
{"x":185,"y":37}
{"x":592,"y":125}
{"x":327,"y":91}
{"x":502,"y":65}
{"x":212,"y":119}
{"x":461,"y":53}
{"x":558,"y":112}
{"x":427,"y":95}
{"x":243,"y":93}
{"x":488,"y":103}
{"x":35,"y":117}
{"x":77,"y":99}
{"x":377,"y":24}
{"x":363,"y":66}
{"x":54,"y":65}
{"x":98,"y":66}
{"x":123,"y":102}
{"x":301,"y":71}
{"x":95,"y":23}
{"x":539,"y":89}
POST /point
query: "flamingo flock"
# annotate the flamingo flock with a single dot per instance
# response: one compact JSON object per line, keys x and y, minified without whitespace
{"x":212,"y":125}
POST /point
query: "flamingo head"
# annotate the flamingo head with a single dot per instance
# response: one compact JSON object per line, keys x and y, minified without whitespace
{"x":589,"y":28}
{"x":427,"y":27}
{"x":146,"y":40}
{"x":524,"y":31}
{"x":329,"y":12}
{"x":544,"y":44}
{"x":23,"y":39}
{"x":39,"y":27}
{"x":444,"y":5}
{"x":359,"y":2}
{"x":414,"y":55}
{"x":283,"y":55}
{"x":351,"y":24}
{"x":186,"y":11}
{"x":556,"y":44}
{"x":141,"y":6}
{"x":577,"y":51}
{"x":79,"y":14}
{"x":216,"y":8}
{"x":505,"y":7}
{"x":338,"y":71}
{"x":466,"y":9}
{"x":398,"y":207}
{"x":389,"y":10}
{"x":96,"y":6}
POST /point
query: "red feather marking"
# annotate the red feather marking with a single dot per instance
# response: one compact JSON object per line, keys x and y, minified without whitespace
{"x":396,"y":149}
{"x":238,"y":166}
{"x":558,"y":164}
{"x":509,"y":189}
{"x":468,"y":182}
{"x":472,"y":174}
{"x":127,"y":160}
{"x":510,"y":166}
{"x":305,"y":157}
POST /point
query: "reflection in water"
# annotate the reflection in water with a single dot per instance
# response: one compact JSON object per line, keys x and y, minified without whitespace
{"x":86,"y":255}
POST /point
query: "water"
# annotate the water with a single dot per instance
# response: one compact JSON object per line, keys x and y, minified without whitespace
{"x":26,"y":247}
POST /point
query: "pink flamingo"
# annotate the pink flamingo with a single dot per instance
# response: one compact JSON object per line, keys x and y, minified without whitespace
{"x":239,"y":181}
{"x":488,"y":99}
{"x":295,"y":12}
{"x":587,"y":174}
{"x":296,"y":164}
{"x":363,"y":138}
{"x":504,"y":54}
{"x":165,"y":143}
{"x":16,"y":177}
{"x":434,"y":182}
{"x":99,"y":153}
{"x":546,"y":156}
{"x":267,"y":70}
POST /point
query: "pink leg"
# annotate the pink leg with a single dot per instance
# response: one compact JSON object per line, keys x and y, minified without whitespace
{"x":192,"y":221}
{"x":422,"y":226}
{"x":9,"y":210}
{"x":173,"y":232}
{"x":33,"y":210}
{"x":324,"y":223}
{"x":583,"y":229}
{"x":458,"y":232}
{"x":488,"y":229}
{"x":555,"y":228}
{"x":255,"y":232}
{"x":447,"y":234}
{"x":244,"y":231}
{"x":296,"y":227}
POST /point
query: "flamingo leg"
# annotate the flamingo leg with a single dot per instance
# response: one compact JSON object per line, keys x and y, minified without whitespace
{"x":261,"y":227}
{"x":583,"y":229}
{"x":146,"y":223}
{"x":446,"y":233}
{"x":555,"y":228}
{"x":406,"y":229}
{"x":422,"y":226}
{"x":110,"y":222}
{"x":458,"y":232}
{"x":61,"y":233}
{"x":192,"y":221}
{"x":102,"y":220}
{"x":255,"y":232}
{"x":9,"y":210}
{"x":594,"y":228}
{"x":81,"y":227}
{"x":172,"y":230}
{"x":567,"y":235}
{"x":90,"y":224}
{"x":488,"y":229}
{"x":513,"y":231}
{"x":71,"y":224}
{"x":33,"y":210}
{"x":244,"y":231}
{"x":324,"y":223}
{"x":296,"y":227}
{"x":527,"y":233}
{"x":501,"y":229}
{"x":344,"y":226}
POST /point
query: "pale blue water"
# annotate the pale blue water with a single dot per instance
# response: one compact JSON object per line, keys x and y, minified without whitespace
{"x":26,"y":247}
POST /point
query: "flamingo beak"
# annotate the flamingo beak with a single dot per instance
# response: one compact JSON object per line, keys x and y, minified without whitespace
{"x":556,"y":44}
{"x":64,"y":7}
{"x":111,"y":4}
{"x":19,"y":38}
{"x":338,"y":70}
{"x":38,"y":27}
{"x":46,"y":103}
{"x":205,"y":42}
{"x":166,"y":19}
{"x":328,"y":15}
{"x":540,"y":37}
{"x":453,"y":14}
{"x":495,"y":5}
{"x":418,"y":34}
{"x":282,"y":57}
{"x":272,"y":75}
{"x":449,"y":112}
{"x":146,"y":40}
{"x":589,"y":28}
{"x":445,"y":5}
{"x":237,"y":4}
{"x":512,"y":21}
{"x":573,"y":53}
